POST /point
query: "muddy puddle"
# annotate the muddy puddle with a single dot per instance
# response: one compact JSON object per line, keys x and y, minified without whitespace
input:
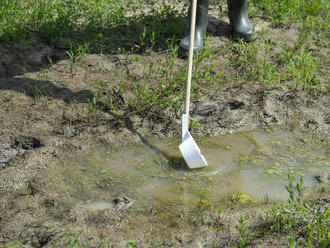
{"x":243,"y":167}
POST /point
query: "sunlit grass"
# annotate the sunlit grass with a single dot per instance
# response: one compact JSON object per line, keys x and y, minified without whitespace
{"x":136,"y":27}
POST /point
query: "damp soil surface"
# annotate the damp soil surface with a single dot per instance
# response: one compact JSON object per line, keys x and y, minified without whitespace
{"x":72,"y":168}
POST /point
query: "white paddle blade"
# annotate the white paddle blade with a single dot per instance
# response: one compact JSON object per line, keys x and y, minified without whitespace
{"x":189,"y":148}
{"x":191,"y":153}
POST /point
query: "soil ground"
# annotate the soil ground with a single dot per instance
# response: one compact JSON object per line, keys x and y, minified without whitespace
{"x":49,"y":106}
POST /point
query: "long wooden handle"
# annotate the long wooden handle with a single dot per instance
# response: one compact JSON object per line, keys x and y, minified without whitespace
{"x":191,"y":56}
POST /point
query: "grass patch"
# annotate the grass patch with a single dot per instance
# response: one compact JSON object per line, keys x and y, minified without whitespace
{"x":105,"y":25}
{"x":134,"y":26}
{"x":256,"y":62}
{"x":284,"y":12}
{"x":304,"y":223}
{"x":306,"y":220}
{"x":161,"y":86}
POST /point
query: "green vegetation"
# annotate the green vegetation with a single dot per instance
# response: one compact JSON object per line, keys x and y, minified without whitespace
{"x":298,"y":219}
{"x":286,"y":12}
{"x":136,"y":27}
{"x":301,"y":218}
{"x":241,"y":227}
{"x":104,"y":25}
{"x":289,"y":65}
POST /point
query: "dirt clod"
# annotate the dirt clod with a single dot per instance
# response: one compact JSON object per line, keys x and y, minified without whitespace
{"x":26,"y":142}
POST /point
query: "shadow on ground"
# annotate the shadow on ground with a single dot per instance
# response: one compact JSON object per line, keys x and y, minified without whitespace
{"x":18,"y":59}
{"x":36,"y":54}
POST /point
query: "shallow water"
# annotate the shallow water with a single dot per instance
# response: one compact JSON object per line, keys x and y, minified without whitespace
{"x":242,"y":167}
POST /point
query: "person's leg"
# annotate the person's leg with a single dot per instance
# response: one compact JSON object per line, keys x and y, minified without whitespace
{"x":239,"y":21}
{"x":201,"y":23}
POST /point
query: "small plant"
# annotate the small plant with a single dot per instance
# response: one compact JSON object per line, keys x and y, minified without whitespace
{"x":131,"y":245}
{"x":74,"y":241}
{"x":19,"y":245}
{"x":219,"y":226}
{"x":243,"y":233}
{"x":76,"y":54}
{"x":302,"y":217}
{"x":291,"y":190}
{"x":293,"y":243}
{"x":37,"y":93}
{"x":92,"y":104}
{"x":195,"y":124}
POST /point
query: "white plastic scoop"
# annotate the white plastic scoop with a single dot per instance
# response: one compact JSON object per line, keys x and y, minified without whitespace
{"x":189,"y":148}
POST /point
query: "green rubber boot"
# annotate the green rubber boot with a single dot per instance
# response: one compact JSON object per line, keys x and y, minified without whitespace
{"x":239,"y":20}
{"x":201,"y":24}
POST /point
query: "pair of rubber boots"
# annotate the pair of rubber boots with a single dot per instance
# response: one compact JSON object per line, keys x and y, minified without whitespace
{"x":239,"y":22}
